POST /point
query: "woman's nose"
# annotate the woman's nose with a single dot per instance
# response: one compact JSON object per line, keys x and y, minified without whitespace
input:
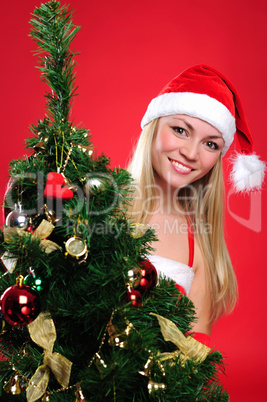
{"x":190,"y":150}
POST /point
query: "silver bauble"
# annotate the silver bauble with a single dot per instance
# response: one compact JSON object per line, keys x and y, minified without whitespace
{"x":93,"y":185}
{"x":17,"y":218}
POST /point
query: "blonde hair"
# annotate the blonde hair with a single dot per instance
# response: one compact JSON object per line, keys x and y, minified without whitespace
{"x":202,"y":201}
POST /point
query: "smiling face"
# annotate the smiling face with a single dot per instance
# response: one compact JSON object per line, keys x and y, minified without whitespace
{"x":184,"y":149}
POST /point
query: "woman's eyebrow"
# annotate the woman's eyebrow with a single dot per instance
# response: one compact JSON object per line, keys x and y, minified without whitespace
{"x":215,"y":137}
{"x":185,"y":122}
{"x":189,"y":125}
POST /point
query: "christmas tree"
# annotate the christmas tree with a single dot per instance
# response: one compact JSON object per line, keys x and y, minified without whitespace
{"x":84,"y":315}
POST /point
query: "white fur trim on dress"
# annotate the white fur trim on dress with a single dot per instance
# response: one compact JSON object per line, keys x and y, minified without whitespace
{"x":197,"y":105}
{"x":247,"y":173}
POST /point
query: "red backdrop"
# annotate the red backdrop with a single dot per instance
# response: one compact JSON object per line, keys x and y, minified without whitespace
{"x":129,"y":50}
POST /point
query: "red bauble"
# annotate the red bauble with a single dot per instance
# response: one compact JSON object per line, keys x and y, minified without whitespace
{"x":56,"y":188}
{"x":180,"y":288}
{"x":20,"y":305}
{"x":135,"y":297}
{"x":134,"y":277}
{"x":149,"y":276}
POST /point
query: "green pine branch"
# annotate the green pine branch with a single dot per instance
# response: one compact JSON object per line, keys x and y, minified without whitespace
{"x":53,"y":31}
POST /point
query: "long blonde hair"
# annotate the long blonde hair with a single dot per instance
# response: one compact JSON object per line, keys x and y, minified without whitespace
{"x":203,"y":203}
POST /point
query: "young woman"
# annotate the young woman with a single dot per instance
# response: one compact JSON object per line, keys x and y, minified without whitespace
{"x":177,"y":167}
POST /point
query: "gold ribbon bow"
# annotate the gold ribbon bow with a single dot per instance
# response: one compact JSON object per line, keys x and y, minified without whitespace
{"x":189,"y":348}
{"x":42,"y":231}
{"x":43,"y":333}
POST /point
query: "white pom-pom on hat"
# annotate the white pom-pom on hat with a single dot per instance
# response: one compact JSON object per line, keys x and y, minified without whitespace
{"x":247,"y":172}
{"x":204,"y":93}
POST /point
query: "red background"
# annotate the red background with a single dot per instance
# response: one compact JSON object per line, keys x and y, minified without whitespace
{"x":129,"y":50}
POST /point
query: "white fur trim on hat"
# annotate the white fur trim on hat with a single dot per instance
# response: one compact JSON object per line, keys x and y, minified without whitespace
{"x":197,"y":105}
{"x":247,"y":173}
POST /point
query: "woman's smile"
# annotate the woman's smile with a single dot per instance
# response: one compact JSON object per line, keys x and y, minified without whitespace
{"x":180,"y":167}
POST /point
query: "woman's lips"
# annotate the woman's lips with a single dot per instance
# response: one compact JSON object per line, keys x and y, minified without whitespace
{"x":180,"y":167}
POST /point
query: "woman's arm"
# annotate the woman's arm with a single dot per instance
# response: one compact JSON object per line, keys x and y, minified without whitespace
{"x":200,"y":295}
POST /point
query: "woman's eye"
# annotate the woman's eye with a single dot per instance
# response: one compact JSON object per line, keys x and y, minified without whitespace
{"x":179,"y":130}
{"x":212,"y":145}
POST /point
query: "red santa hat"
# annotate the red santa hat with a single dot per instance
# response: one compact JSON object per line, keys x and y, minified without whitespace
{"x":202,"y":92}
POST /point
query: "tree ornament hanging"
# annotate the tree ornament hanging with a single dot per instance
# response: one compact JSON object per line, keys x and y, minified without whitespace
{"x":93,"y":185}
{"x":138,"y":230}
{"x":140,"y":280}
{"x":2,"y":327}
{"x":20,"y":304}
{"x":134,"y":277}
{"x":45,"y":398}
{"x":13,"y":385}
{"x":9,"y":261}
{"x":134,"y":297}
{"x":18,"y":188}
{"x":149,"y":276}
{"x":56,"y":187}
{"x":18,"y":218}
{"x":50,"y":215}
{"x":76,"y":249}
{"x":79,"y":396}
{"x":119,"y":338}
{"x":34,"y":282}
{"x":153,"y":385}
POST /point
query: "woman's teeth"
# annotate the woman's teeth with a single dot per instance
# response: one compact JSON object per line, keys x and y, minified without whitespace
{"x":180,"y":166}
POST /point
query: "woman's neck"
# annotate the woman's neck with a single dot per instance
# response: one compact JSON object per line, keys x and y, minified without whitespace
{"x":166,"y":201}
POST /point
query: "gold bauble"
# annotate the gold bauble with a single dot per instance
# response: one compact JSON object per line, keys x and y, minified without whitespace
{"x":13,"y":385}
